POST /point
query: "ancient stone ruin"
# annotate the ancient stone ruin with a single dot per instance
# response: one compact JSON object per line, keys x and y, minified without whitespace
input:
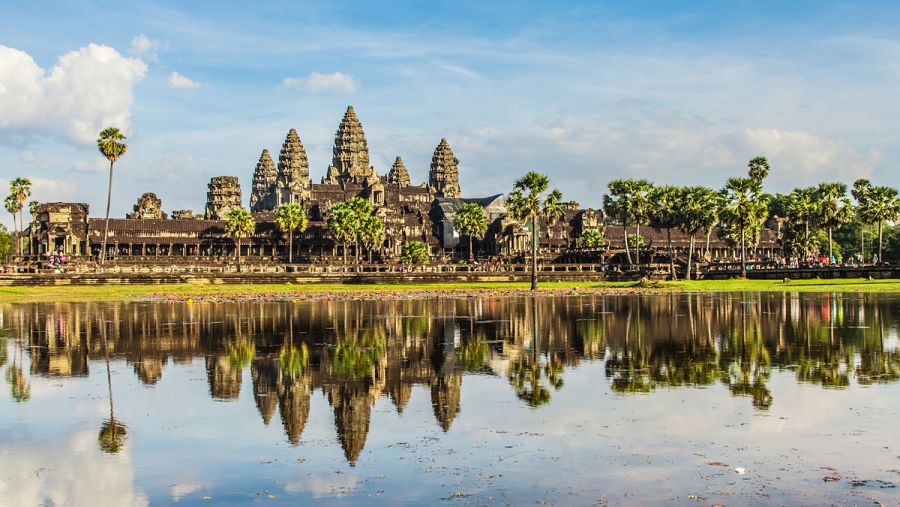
{"x":265,"y":176}
{"x":350,"y":162}
{"x":148,"y":207}
{"x":224,"y":195}
{"x":399,"y":175}
{"x":293,"y":181}
{"x":443,"y":177}
{"x":183,"y":214}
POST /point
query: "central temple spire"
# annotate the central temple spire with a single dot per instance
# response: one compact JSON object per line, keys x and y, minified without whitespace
{"x":350,"y":160}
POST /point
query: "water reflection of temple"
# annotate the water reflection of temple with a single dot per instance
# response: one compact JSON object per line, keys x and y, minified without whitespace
{"x":356,"y":352}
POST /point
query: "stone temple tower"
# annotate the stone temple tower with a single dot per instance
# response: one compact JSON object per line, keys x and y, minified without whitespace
{"x":224,"y":195}
{"x":263,"y":198}
{"x":399,"y":175}
{"x":292,"y":183}
{"x":443,"y":177}
{"x":350,"y":162}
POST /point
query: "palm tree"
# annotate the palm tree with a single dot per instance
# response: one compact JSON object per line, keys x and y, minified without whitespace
{"x":881,"y":205}
{"x":638,"y":192}
{"x":471,"y":221}
{"x":617,"y":205}
{"x":342,"y":225}
{"x":801,"y":208}
{"x":111,"y":146}
{"x":528,"y":202}
{"x":290,"y":218}
{"x":20,"y":188}
{"x":833,"y":208}
{"x":371,"y":233}
{"x":13,"y":206}
{"x":32,"y":210}
{"x":758,"y":169}
{"x":744,"y":206}
{"x":239,"y":223}
{"x":414,"y":252}
{"x":664,"y":214}
{"x":860,"y":193}
{"x":698,"y":211}
{"x":112,"y":433}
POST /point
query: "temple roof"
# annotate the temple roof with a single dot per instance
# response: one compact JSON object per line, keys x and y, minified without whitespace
{"x":399,"y":174}
{"x":443,"y":176}
{"x":292,"y":161}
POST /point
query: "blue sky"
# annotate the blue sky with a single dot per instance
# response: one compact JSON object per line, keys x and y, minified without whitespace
{"x":677,"y":92}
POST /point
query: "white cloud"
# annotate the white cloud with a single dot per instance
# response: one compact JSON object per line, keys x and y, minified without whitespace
{"x":183,"y":489}
{"x":145,"y":47}
{"x":181,"y":82}
{"x":315,"y":82}
{"x":86,"y":91}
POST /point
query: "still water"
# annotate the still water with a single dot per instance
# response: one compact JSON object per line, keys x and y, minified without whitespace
{"x":738,"y":399}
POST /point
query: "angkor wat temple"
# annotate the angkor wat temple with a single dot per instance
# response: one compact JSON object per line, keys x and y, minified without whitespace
{"x":423,"y":212}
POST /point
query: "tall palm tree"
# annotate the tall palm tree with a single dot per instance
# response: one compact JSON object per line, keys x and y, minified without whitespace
{"x":698,"y":211}
{"x":112,"y":433}
{"x":111,"y":145}
{"x":744,"y":206}
{"x":617,"y":206}
{"x":342,"y":225}
{"x":371,"y":233}
{"x":239,"y":223}
{"x":881,"y":205}
{"x":530,"y":200}
{"x":833,"y":208}
{"x":290,"y":218}
{"x":20,"y":188}
{"x":13,"y":206}
{"x":758,"y":169}
{"x":665,"y":203}
{"x":639,"y":195}
{"x":801,"y":209}
{"x":471,"y":221}
{"x":860,"y":193}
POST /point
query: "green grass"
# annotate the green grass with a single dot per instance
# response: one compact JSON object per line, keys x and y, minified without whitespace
{"x":129,"y":292}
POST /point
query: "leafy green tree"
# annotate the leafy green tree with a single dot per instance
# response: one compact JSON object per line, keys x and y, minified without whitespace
{"x":414,"y":252}
{"x":111,"y":145}
{"x":6,"y":243}
{"x":471,"y":221}
{"x":531,"y":201}
{"x":629,"y":200}
{"x":591,"y":238}
{"x":833,"y":208}
{"x":698,"y":211}
{"x":664,"y":214}
{"x":881,"y":205}
{"x":289,"y":218}
{"x":744,"y":208}
{"x":347,"y":223}
{"x":239,"y":223}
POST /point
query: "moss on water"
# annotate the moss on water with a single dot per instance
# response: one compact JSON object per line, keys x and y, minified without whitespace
{"x":182,"y":291}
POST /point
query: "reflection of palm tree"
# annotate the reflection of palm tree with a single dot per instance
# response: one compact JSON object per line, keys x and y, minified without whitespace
{"x":525,"y":372}
{"x":112,"y":433}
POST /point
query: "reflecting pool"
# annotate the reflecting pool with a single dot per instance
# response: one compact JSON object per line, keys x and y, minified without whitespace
{"x":682,"y":399}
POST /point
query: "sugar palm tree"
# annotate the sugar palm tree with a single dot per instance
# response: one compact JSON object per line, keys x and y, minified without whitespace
{"x":636,"y":193}
{"x":239,"y":223}
{"x":471,"y":221}
{"x":801,"y":209}
{"x":664,"y":213}
{"x":744,"y":207}
{"x":13,"y":206}
{"x":111,"y":145}
{"x":758,"y":169}
{"x":289,"y":218}
{"x":530,"y":200}
{"x":860,"y":193}
{"x":881,"y":205}
{"x":20,"y":189}
{"x":371,"y":233}
{"x":833,"y":208}
{"x":342,"y":225}
{"x":697,"y":211}
{"x":615,"y":205}
{"x":112,"y":433}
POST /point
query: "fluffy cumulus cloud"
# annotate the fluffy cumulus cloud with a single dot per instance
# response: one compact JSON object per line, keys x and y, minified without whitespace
{"x":315,"y":82}
{"x":181,"y":82}
{"x":86,"y":91}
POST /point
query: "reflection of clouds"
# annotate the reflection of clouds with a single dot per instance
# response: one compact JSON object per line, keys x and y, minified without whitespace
{"x":321,"y":486}
{"x":181,"y":490}
{"x":67,"y":471}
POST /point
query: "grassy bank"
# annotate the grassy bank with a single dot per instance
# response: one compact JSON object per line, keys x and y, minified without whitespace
{"x":130,"y":292}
